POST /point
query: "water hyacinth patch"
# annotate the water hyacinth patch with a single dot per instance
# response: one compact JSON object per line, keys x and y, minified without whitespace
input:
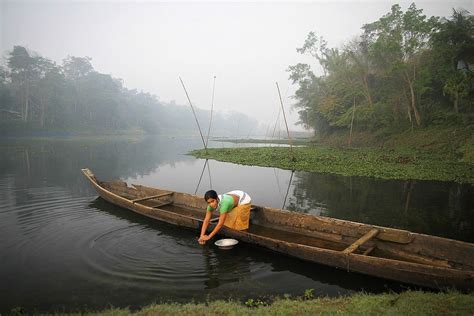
{"x":367,"y":162}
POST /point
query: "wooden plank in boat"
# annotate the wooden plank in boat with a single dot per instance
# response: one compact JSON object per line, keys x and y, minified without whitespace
{"x":162,"y":204}
{"x":412,"y":257}
{"x":395,"y":235}
{"x":117,"y":184}
{"x":313,"y":233}
{"x":151,"y":197}
{"x":332,"y":226}
{"x":368,"y":236}
{"x":368,"y":251}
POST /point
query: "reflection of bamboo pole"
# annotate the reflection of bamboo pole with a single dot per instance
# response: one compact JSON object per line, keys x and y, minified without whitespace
{"x":352,"y":122}
{"x":350,"y":189}
{"x":195,"y":117}
{"x":407,"y":201}
{"x":209,"y":171}
{"x":27,"y":161}
{"x":288,"y":189}
{"x":277,"y":182}
{"x":292,"y":157}
{"x":200,"y":178}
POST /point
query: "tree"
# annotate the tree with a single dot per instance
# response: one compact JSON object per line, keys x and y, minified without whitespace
{"x":357,"y":50}
{"x":316,"y":47}
{"x":22,"y":68}
{"x":6,"y":100}
{"x":330,"y":99}
{"x":50,"y":93}
{"x":100,"y":95}
{"x":309,"y":96}
{"x":396,"y":43}
{"x":453,"y":50}
{"x":75,"y":70}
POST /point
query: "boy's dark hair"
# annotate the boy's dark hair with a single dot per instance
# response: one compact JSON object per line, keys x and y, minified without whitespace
{"x":211,"y":194}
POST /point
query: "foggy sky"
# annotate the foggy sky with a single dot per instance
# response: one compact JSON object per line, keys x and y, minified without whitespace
{"x":247,"y":45}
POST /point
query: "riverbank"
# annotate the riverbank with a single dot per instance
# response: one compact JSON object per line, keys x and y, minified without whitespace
{"x":406,"y":303}
{"x":441,"y":155}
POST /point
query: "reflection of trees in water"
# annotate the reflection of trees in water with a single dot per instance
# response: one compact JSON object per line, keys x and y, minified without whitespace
{"x":437,"y":208}
{"x":60,"y":162}
{"x":49,"y":165}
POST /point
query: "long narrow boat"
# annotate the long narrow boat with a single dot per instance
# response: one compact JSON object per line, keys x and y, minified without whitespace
{"x":388,"y":253}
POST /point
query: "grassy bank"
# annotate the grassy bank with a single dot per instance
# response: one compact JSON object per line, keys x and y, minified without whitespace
{"x":457,"y":143}
{"x":407,"y":303}
{"x":443,"y":155}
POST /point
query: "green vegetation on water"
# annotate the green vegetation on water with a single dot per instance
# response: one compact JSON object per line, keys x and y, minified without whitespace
{"x":295,"y":142}
{"x":431,"y":154}
{"x":407,"y":303}
{"x":350,"y":162}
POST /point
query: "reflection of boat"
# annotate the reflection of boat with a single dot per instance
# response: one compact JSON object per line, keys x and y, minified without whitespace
{"x":384,"y":252}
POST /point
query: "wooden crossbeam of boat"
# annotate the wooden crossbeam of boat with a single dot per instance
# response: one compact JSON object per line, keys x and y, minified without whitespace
{"x":412,"y":257}
{"x":162,"y":204}
{"x":398,"y":236}
{"x":368,"y":251}
{"x":156,"y":196}
{"x":362,"y":240}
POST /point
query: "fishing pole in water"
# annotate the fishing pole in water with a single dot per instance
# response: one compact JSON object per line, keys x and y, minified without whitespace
{"x":195,"y":117}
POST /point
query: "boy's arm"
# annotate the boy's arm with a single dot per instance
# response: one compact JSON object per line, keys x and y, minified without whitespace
{"x":205,"y":224}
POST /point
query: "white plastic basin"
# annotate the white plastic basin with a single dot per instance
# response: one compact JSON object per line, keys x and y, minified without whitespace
{"x":227,"y":243}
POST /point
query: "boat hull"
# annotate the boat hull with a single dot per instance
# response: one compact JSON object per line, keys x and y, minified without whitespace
{"x":422,"y":269}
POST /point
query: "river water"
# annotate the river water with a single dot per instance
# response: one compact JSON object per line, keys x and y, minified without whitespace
{"x":63,"y":249}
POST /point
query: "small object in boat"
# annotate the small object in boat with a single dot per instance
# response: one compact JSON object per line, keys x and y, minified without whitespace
{"x":227,"y":243}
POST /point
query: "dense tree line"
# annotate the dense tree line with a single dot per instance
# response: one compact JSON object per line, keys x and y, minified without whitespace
{"x":404,"y":70}
{"x":36,"y":94}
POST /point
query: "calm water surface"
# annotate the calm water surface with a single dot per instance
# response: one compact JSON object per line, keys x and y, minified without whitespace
{"x":62,"y":248}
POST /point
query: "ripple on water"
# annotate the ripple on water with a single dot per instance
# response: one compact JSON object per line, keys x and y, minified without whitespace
{"x":59,"y":230}
{"x":141,"y":256}
{"x":57,"y":234}
{"x":137,"y":252}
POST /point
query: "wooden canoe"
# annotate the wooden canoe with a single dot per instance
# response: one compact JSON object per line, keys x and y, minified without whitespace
{"x":388,"y":253}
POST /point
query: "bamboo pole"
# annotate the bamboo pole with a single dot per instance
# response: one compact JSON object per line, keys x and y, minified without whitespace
{"x":212,"y":108}
{"x":195,"y":117}
{"x":292,"y":157}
